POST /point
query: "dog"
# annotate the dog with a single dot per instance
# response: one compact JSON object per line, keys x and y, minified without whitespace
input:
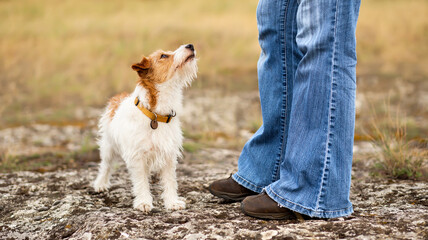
{"x":143,"y":128}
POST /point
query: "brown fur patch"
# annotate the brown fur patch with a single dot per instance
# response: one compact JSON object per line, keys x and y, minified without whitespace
{"x":114,"y":103}
{"x":154,"y":70}
{"x":152,"y":92}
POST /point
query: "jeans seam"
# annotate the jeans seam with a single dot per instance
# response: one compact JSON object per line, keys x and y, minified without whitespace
{"x":330,"y":116}
{"x":314,"y":210}
{"x":284,"y":101}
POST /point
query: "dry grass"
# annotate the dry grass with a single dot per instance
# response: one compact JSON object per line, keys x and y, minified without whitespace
{"x":399,"y":157}
{"x":60,"y":55}
{"x":57,"y":56}
{"x":392,"y":37}
{"x":73,"y":53}
{"x":48,"y":162}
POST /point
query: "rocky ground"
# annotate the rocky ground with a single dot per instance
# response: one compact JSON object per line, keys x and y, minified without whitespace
{"x":59,"y":202}
{"x":62,"y":204}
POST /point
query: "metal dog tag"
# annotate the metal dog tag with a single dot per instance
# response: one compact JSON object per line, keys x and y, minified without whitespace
{"x":154,"y":124}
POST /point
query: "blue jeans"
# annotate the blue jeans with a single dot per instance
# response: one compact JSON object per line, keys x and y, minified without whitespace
{"x":302,"y":154}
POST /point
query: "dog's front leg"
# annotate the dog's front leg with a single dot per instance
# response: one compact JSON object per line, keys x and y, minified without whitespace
{"x":169,"y":184}
{"x":107,"y":154}
{"x":139,"y":172}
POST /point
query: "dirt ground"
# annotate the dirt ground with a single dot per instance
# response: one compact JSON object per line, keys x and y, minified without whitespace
{"x":53,"y":198}
{"x":62,"y":204}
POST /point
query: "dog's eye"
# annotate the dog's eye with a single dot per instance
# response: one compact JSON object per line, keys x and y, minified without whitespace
{"x":164,"y":56}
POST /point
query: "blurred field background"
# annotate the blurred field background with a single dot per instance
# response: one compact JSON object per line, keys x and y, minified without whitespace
{"x":58,"y":57}
{"x":66,"y":54}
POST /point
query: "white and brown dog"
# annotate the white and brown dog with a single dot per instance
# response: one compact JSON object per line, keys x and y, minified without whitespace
{"x":143,"y":128}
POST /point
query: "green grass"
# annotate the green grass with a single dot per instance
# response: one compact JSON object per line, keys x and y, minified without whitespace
{"x":192,"y":147}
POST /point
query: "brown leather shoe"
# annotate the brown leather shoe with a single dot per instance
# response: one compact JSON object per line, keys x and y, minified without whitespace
{"x":229,"y":190}
{"x":262,"y":206}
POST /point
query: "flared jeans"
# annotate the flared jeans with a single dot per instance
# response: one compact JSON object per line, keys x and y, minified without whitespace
{"x":302,"y":154}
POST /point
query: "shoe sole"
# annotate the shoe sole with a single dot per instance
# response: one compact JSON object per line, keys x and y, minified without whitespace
{"x":269,"y":216}
{"x":228,"y":196}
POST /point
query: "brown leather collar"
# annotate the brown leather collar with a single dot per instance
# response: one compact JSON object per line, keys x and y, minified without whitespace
{"x":153,"y":116}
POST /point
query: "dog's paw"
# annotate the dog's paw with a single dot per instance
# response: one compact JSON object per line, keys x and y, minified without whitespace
{"x":176,"y":205}
{"x":100,"y":186}
{"x":144,"y":207}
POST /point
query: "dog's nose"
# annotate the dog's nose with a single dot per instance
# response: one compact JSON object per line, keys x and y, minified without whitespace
{"x":190,"y":46}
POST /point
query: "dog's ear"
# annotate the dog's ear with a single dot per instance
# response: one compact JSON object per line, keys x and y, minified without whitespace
{"x":142,"y":66}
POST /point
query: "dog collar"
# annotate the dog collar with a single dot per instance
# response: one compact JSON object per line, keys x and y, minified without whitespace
{"x":153,"y":116}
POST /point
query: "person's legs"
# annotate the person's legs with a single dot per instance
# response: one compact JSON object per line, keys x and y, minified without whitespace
{"x":258,"y":165}
{"x":315,"y":172}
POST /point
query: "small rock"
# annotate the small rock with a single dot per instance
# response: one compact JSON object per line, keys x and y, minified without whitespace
{"x":32,"y":188}
{"x":91,"y":191}
{"x":44,"y":208}
{"x":87,"y":236}
{"x":194,"y":193}
{"x":156,"y":210}
{"x":269,"y":234}
{"x":38,"y":218}
{"x":194,"y":236}
{"x":105,"y":209}
{"x":23,"y":190}
{"x":125,"y":235}
{"x":92,"y":164}
{"x":56,"y":202}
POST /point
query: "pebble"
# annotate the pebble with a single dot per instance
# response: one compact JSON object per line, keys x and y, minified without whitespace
{"x":156,"y":210}
{"x":38,"y":218}
{"x":92,"y":164}
{"x":44,"y":208}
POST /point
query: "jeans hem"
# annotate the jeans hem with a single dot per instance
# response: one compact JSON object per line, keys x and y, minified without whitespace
{"x":247,"y":184}
{"x":306,"y":210}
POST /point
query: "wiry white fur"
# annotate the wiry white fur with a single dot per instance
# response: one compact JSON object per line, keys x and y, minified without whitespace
{"x":129,"y":136}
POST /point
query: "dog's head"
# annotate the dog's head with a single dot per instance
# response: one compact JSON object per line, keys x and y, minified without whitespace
{"x":161,"y":66}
